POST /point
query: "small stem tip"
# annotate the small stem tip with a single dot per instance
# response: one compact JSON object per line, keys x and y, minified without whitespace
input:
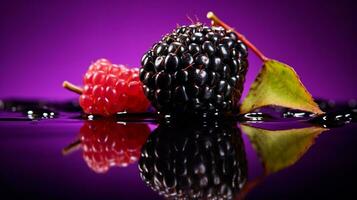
{"x":74,"y":146}
{"x":215,"y":21}
{"x":69,"y":86}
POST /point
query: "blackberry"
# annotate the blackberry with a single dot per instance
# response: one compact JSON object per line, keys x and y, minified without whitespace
{"x":195,"y":68}
{"x":194,"y":162}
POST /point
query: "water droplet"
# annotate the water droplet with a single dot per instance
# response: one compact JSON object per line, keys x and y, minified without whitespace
{"x":256,"y":116}
{"x":52,"y":115}
{"x":45,"y":115}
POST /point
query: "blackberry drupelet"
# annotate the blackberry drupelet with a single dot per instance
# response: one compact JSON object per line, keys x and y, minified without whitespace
{"x":194,"y":162}
{"x":195,"y":68}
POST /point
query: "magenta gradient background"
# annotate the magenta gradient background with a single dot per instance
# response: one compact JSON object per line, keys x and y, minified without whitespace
{"x":43,"y":42}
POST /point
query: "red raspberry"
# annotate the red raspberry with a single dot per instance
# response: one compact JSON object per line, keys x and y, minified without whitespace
{"x":106,"y":144}
{"x":110,"y":88}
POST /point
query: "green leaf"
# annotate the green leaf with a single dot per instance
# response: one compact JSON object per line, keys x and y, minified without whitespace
{"x":281,"y":148}
{"x":277,"y":84}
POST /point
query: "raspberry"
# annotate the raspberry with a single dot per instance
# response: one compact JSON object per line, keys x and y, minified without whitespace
{"x":192,"y":161}
{"x":110,"y":88}
{"x":106,"y":144}
{"x":195,"y":68}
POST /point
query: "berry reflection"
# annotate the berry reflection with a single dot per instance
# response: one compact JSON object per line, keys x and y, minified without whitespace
{"x":107,"y":144}
{"x":184,"y":161}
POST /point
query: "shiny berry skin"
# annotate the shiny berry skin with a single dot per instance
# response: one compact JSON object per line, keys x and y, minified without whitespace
{"x":107,"y":144}
{"x":196,"y":69}
{"x":110,"y":88}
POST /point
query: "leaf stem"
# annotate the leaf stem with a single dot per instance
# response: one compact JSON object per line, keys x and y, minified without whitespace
{"x":71,"y":87}
{"x":218,"y":22}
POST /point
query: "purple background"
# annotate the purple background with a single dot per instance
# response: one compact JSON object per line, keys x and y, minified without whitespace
{"x":46,"y":42}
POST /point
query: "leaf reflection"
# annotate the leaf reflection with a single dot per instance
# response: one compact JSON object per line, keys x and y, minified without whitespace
{"x":278,"y":149}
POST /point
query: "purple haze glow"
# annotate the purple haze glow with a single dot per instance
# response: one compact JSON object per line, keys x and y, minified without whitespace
{"x":46,"y":42}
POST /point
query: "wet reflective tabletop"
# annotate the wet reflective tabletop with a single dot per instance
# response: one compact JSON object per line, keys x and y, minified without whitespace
{"x":48,"y":151}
